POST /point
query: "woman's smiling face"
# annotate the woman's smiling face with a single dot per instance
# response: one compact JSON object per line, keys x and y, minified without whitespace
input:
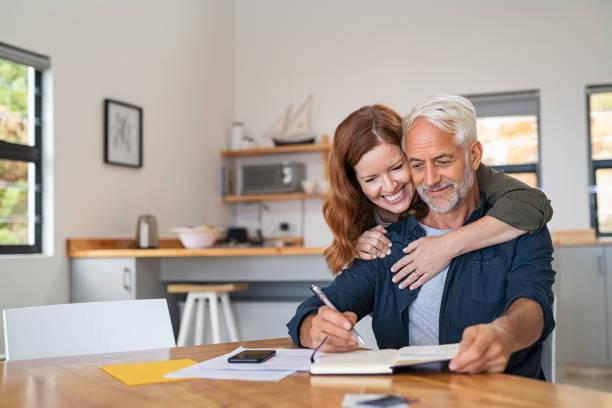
{"x":384,"y":177}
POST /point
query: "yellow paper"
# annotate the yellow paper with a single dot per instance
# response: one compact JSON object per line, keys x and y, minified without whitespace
{"x":147,"y":373}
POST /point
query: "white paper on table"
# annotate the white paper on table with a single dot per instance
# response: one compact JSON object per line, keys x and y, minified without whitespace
{"x":264,"y":375}
{"x":284,"y":363}
{"x":284,"y":360}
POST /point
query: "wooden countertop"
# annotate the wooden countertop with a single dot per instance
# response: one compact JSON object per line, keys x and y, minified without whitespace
{"x":126,"y":248}
{"x":578,"y":238}
{"x":78,"y":381}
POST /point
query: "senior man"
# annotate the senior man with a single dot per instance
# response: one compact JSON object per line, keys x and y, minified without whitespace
{"x":496,"y":301}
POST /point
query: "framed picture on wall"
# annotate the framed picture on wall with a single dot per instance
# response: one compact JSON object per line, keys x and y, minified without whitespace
{"x":122,"y":134}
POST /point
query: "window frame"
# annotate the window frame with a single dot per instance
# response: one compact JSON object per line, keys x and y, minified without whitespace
{"x":30,"y":154}
{"x":518,"y":168}
{"x":595,"y":165}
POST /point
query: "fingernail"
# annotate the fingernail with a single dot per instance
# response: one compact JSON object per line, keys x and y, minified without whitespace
{"x":452,"y":366}
{"x":347,"y":326}
{"x":401,"y":286}
{"x":413,"y":287}
{"x":393,"y":270}
{"x":390,"y":244}
{"x":394,"y":280}
{"x":405,"y":250}
{"x":388,"y":252}
{"x":382,"y":255}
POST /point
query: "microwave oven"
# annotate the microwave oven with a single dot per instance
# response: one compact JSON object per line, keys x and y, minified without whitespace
{"x":284,"y":177}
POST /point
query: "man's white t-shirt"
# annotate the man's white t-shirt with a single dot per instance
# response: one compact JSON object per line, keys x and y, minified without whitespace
{"x":424,"y":312}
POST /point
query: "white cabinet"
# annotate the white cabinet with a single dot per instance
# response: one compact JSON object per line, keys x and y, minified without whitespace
{"x":609,"y":299}
{"x":106,"y":279}
{"x":583,"y":289}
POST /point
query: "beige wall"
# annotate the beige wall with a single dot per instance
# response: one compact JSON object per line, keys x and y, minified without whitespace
{"x":355,"y":52}
{"x":175,"y":60}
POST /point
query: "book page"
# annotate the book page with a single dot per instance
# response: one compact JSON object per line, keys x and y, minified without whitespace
{"x":426,"y":354}
{"x":355,"y":362}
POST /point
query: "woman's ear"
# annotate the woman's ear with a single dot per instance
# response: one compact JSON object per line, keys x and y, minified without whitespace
{"x":475,"y":154}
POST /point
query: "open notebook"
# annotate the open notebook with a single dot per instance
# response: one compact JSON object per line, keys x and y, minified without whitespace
{"x":381,"y":361}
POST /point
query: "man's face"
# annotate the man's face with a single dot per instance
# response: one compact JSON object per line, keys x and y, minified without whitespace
{"x":442,"y":170}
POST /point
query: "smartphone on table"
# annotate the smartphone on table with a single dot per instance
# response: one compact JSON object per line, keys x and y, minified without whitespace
{"x":252,"y":356}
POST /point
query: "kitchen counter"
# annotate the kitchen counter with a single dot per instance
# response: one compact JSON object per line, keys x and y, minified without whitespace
{"x":172,"y":248}
{"x":278,"y":278}
{"x":579,"y":238}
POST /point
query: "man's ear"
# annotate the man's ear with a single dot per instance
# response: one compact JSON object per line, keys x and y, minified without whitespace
{"x":475,"y":154}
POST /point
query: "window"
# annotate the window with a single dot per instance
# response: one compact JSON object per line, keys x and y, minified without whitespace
{"x":508,"y":128}
{"x":21,"y":115}
{"x":599,"y":106}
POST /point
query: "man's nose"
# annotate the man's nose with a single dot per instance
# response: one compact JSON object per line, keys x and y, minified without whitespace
{"x":432,"y":177}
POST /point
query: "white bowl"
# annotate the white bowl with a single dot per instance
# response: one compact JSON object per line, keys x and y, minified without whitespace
{"x":197,"y":237}
{"x":323,"y":187}
{"x":309,"y":186}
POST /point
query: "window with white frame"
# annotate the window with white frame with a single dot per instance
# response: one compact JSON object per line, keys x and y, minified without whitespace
{"x":21,"y":170}
{"x":508,"y":128}
{"x":599,"y":107}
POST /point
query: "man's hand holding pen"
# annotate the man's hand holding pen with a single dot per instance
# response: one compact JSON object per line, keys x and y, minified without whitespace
{"x":336,"y":326}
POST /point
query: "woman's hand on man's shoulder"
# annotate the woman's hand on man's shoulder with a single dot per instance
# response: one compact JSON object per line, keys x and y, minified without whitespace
{"x":373,"y":243}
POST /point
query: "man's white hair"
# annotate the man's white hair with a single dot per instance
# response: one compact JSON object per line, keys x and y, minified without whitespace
{"x":449,"y":113}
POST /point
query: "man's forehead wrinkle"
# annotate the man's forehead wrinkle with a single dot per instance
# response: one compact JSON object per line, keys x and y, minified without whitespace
{"x":432,"y":156}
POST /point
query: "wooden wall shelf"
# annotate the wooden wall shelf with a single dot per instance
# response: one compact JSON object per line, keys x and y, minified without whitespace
{"x":254,"y":198}
{"x":262,"y":151}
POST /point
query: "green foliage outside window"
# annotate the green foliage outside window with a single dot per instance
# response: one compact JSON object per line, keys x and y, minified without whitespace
{"x":601,"y":102}
{"x":14,"y":187}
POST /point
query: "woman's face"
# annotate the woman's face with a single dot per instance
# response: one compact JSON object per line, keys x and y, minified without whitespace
{"x":384,"y":176}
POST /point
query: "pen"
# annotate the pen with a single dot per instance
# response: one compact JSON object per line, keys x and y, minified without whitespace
{"x":317,"y":291}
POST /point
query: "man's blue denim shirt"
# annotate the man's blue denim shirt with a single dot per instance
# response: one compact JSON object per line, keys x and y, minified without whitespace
{"x":479,"y":287}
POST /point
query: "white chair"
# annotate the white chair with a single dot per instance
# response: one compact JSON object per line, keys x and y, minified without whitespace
{"x":198,"y":296}
{"x":549,"y":352}
{"x":548,"y":358}
{"x":87,"y":328}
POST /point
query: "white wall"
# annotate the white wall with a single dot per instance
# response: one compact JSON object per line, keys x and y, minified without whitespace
{"x":195,"y":65}
{"x":355,"y":52}
{"x":175,"y":60}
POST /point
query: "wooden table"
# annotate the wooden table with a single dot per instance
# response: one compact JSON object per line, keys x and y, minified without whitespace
{"x":78,"y":382}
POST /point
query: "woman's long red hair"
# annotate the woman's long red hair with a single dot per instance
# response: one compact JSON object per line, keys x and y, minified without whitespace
{"x":347,"y":211}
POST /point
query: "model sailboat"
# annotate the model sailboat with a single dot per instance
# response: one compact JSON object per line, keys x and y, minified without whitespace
{"x":293,"y":128}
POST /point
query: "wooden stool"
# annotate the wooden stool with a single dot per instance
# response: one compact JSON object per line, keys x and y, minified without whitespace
{"x":197,"y":295}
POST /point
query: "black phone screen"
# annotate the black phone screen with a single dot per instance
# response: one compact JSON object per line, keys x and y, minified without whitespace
{"x":252,"y":356}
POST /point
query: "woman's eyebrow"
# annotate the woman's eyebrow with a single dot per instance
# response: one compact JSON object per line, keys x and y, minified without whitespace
{"x":365,"y":176}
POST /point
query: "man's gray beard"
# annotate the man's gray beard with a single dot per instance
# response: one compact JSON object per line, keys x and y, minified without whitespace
{"x":459,"y":192}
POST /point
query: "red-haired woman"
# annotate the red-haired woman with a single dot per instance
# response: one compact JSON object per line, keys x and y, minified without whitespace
{"x":371,"y":187}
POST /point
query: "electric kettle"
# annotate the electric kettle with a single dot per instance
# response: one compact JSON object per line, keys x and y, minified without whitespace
{"x":146,"y":232}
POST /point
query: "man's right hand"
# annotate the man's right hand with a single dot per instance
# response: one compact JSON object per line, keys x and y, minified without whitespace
{"x":336,"y":326}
